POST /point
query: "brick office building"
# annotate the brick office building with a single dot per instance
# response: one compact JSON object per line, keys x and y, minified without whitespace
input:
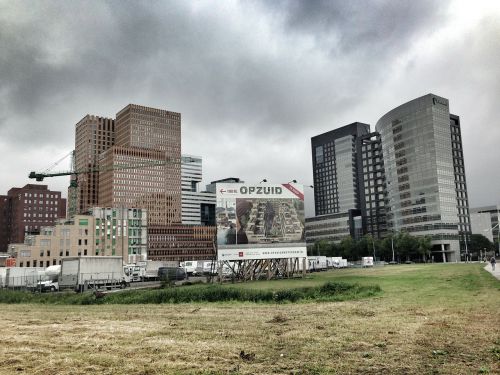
{"x":93,"y":135}
{"x":139,"y":160}
{"x":26,"y":210}
{"x":151,"y":139}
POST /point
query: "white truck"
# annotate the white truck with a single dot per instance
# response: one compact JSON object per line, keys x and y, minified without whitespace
{"x":92,"y":272}
{"x":23,"y":277}
{"x":317,"y":263}
{"x":193,"y":267}
{"x":134,"y":272}
{"x":339,"y":262}
{"x":51,"y":282}
{"x":209,"y":267}
{"x":367,"y":262}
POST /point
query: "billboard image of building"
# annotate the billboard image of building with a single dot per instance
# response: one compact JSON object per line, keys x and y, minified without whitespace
{"x":260,"y":221}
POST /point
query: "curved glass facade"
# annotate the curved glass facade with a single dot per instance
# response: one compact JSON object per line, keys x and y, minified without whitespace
{"x":420,"y":173}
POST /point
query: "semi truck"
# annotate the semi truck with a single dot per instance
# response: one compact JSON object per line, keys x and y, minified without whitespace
{"x":92,"y":273}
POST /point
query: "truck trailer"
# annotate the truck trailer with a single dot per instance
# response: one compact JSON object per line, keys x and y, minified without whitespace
{"x":92,"y":272}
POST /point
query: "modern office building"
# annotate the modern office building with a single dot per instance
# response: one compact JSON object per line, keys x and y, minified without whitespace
{"x":198,"y":207}
{"x":93,"y":136}
{"x":26,"y":210}
{"x":371,"y":184}
{"x":333,"y":227}
{"x":150,"y":140}
{"x":426,"y":192}
{"x":484,"y":221}
{"x":104,"y":231}
{"x":335,"y":170}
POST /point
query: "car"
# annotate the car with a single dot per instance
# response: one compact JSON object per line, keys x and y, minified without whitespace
{"x":171,"y":273}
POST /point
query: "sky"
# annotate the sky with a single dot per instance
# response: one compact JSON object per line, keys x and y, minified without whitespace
{"x":253,"y":80}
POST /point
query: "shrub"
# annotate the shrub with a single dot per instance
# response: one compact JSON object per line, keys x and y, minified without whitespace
{"x":331,"y":291}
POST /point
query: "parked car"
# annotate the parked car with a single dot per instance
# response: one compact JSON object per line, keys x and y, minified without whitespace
{"x":171,"y":273}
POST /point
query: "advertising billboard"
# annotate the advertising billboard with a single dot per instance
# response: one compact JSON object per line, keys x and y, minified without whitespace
{"x":253,"y":221}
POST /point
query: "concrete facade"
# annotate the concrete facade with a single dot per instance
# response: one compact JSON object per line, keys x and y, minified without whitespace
{"x":197,"y":206}
{"x":104,"y":232}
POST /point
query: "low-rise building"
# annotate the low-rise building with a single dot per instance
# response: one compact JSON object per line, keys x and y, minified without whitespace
{"x":104,"y":231}
{"x":178,"y":242}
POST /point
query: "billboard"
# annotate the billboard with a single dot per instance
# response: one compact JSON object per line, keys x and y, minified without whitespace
{"x":252,"y":217}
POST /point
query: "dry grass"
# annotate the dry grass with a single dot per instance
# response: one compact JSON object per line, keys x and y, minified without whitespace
{"x":413,"y":328}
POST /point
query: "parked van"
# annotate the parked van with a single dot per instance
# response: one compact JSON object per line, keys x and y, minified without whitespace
{"x":171,"y":273}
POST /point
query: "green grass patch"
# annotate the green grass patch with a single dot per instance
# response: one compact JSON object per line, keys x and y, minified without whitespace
{"x":330,"y":291}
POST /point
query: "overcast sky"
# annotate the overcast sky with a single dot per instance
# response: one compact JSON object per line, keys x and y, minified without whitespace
{"x":254,"y":80}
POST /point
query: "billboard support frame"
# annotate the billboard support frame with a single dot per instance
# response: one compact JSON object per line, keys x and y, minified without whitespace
{"x":268,"y":269}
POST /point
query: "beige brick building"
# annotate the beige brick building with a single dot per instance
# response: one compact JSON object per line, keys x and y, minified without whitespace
{"x":106,"y":231}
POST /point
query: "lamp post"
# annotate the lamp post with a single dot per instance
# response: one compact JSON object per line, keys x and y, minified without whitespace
{"x":392,"y":245}
{"x":373,"y":245}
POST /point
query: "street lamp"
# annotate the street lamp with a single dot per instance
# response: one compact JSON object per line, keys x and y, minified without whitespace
{"x":264,"y":180}
{"x":392,"y":245}
{"x":373,"y":245}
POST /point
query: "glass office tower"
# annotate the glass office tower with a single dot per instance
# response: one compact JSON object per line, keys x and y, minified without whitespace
{"x":421,"y":174}
{"x":335,"y":169}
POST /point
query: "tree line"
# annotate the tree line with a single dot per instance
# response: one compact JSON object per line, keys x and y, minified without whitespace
{"x":399,"y":247}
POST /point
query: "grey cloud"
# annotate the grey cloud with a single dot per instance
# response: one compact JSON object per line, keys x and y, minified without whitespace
{"x":138,"y":50}
{"x":268,"y":74}
{"x":375,"y":27}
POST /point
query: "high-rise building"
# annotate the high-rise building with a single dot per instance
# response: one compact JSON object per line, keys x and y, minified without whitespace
{"x":335,"y":169}
{"x":198,"y":207}
{"x":93,"y":136}
{"x":371,"y":184}
{"x":143,"y":168}
{"x":426,"y":191}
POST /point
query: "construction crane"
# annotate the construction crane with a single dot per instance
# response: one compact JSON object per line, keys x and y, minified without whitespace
{"x":72,"y":191}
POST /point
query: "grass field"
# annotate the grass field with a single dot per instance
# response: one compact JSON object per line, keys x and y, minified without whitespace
{"x":429,"y":319}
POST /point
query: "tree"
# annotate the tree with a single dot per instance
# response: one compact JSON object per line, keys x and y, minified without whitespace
{"x":478,"y":243}
{"x":424,"y":247}
{"x":407,"y":245}
{"x":321,"y":247}
{"x":347,"y":248}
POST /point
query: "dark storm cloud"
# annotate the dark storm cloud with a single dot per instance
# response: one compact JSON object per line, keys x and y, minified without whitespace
{"x":253,"y":80}
{"x":377,"y":28}
{"x":199,"y":61}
